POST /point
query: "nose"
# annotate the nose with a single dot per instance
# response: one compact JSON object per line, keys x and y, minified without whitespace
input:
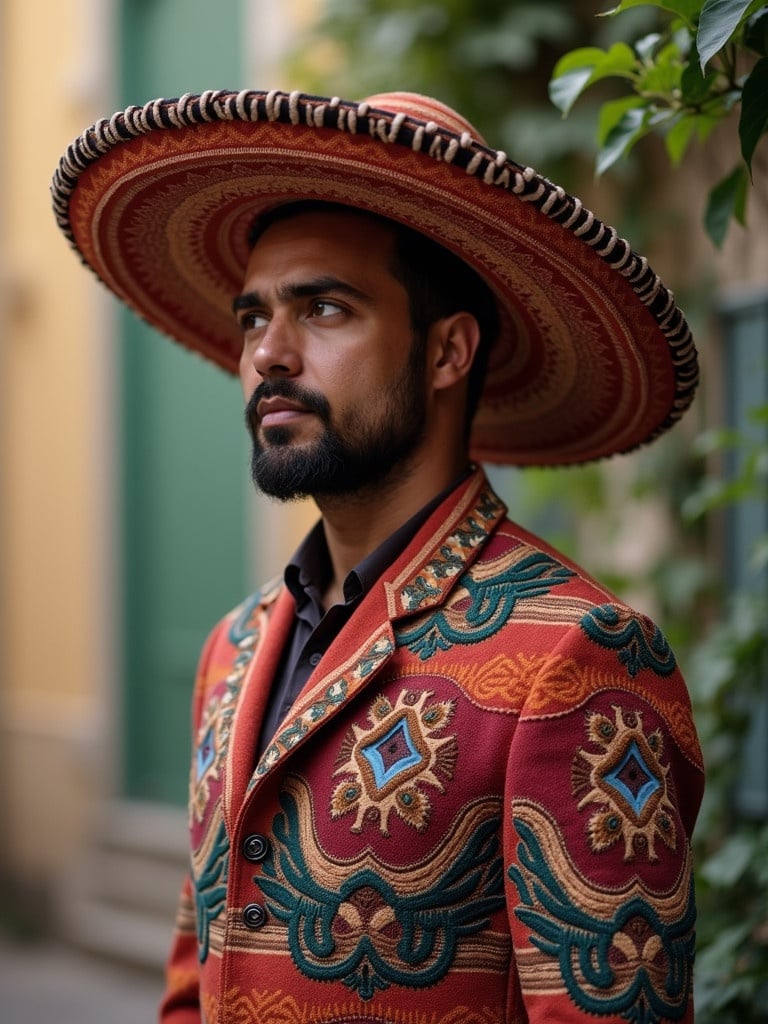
{"x":274,"y":352}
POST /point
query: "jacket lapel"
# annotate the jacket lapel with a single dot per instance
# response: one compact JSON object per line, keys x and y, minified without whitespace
{"x":422,"y":578}
{"x":276,"y":624}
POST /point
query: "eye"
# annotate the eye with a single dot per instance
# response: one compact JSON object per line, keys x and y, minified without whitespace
{"x":252,"y":321}
{"x":324,"y":308}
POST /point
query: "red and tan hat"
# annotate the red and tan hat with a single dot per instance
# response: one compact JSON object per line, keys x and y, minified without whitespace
{"x":593,"y":357}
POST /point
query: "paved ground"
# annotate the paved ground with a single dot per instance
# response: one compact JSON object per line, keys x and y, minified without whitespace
{"x":45,"y":982}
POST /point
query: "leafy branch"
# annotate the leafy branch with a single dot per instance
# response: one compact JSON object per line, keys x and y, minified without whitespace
{"x":681,"y":82}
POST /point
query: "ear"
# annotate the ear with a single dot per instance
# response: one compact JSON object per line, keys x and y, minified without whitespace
{"x":453,"y":342}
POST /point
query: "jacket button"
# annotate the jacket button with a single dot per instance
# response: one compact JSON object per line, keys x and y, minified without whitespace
{"x":254,"y":916}
{"x":255,"y":847}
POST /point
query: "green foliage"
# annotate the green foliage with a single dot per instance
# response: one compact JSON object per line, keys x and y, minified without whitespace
{"x":490,"y":60}
{"x":705,"y":61}
{"x":727,"y":674}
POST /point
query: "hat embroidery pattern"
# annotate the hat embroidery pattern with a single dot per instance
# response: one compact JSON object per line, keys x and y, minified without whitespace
{"x":594,"y":356}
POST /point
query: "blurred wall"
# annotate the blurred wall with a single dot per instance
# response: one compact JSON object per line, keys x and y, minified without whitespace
{"x":56,"y":468}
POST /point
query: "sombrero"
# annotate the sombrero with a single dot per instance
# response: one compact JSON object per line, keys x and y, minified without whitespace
{"x":593,"y":358}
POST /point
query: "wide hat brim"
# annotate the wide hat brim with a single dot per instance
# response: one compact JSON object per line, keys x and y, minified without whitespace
{"x":593,"y":357}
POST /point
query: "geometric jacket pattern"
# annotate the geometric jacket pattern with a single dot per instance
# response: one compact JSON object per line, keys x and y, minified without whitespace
{"x":477,"y":811}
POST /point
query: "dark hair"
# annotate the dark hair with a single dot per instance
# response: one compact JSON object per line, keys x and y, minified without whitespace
{"x":437,"y":282}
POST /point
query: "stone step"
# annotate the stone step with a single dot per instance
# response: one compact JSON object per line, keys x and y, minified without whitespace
{"x":130,"y":937}
{"x":121,"y":901}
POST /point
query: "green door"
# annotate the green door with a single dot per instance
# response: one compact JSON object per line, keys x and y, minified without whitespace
{"x":184,"y":465}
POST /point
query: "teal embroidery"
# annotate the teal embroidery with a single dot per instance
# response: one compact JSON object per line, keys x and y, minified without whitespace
{"x":211,"y":890}
{"x":368,"y":662}
{"x":422,"y":928}
{"x":488,"y":506}
{"x":447,"y":563}
{"x":416,"y":593}
{"x":638,"y":646}
{"x":583,"y":944}
{"x":491,"y":603}
{"x":242,"y":628}
{"x":450,"y":559}
{"x":334,"y":695}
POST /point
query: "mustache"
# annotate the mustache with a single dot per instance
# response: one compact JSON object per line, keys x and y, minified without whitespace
{"x":280,"y":387}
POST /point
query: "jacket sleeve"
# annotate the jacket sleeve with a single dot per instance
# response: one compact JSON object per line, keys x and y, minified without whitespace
{"x":181,"y":999}
{"x":604,"y":784}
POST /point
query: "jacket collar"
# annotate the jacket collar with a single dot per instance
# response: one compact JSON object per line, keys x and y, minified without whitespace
{"x":442,"y":550}
{"x":419,"y":580}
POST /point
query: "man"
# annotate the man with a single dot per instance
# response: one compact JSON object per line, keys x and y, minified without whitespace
{"x":439,"y":774}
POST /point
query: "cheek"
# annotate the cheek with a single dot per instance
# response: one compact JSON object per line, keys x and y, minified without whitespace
{"x":248,"y":377}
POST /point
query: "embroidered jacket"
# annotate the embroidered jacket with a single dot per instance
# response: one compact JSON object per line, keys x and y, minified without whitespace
{"x":478,"y":810}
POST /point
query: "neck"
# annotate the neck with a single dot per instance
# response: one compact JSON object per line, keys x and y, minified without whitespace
{"x":356,"y":524}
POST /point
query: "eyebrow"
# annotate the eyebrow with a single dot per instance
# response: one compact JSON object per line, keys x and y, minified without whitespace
{"x":301,"y":290}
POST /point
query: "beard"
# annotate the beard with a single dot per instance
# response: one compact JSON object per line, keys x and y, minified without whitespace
{"x":355,"y":455}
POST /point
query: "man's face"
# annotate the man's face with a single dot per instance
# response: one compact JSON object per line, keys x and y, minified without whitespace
{"x":331,"y":372}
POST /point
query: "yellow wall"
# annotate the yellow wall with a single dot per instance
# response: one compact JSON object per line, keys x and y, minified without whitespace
{"x":54,"y":469}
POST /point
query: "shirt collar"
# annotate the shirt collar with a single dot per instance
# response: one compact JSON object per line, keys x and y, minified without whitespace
{"x":307,"y":573}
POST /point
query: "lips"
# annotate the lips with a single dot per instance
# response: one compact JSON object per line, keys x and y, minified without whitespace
{"x":275,"y":411}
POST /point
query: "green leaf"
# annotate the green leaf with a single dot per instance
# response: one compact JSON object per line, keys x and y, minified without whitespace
{"x":678,"y":137}
{"x":719,"y":20}
{"x":622,"y":137}
{"x":644,"y":47}
{"x":718,"y":955}
{"x":756,"y":32}
{"x":581,"y":68}
{"x":717,"y":440}
{"x":727,"y":199}
{"x":685,"y":9}
{"x":694,"y":84}
{"x":612,"y":112}
{"x":662,"y":78}
{"x":566,"y":88}
{"x":705,"y":125}
{"x":726,"y":867}
{"x":753,"y":121}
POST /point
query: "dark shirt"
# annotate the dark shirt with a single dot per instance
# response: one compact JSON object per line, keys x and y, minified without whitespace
{"x":306,"y":576}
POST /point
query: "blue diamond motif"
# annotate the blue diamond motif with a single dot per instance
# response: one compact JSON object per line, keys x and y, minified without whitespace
{"x":394,"y":753}
{"x":205,"y":754}
{"x":633,"y":779}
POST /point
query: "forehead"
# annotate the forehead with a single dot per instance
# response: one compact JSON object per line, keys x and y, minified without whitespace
{"x":336,"y":235}
{"x":352,"y":244}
